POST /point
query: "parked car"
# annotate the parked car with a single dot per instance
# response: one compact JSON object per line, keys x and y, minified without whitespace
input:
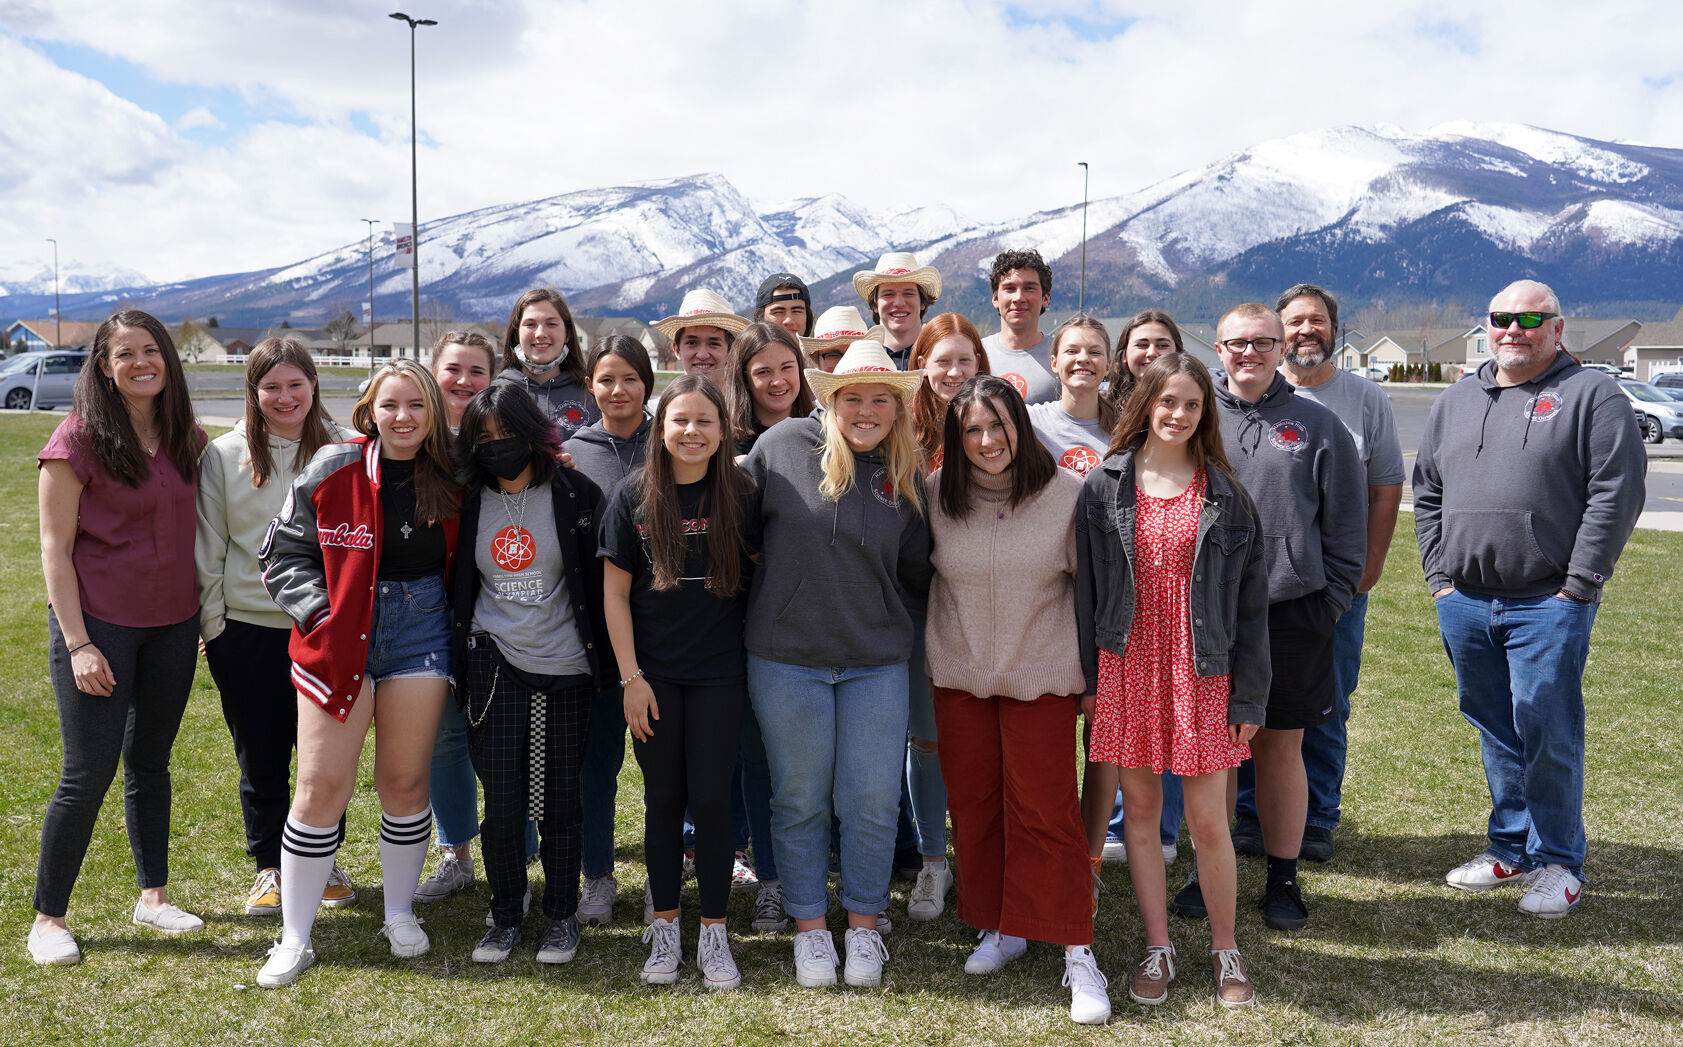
{"x":1604,"y":369}
{"x":49,"y":375}
{"x":1669,"y":380}
{"x":1378,"y":374}
{"x":1658,"y":414}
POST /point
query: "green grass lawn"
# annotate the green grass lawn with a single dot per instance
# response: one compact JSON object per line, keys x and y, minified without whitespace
{"x":1390,"y":956}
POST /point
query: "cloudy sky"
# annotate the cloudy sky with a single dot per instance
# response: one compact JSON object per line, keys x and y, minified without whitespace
{"x":181,"y":138}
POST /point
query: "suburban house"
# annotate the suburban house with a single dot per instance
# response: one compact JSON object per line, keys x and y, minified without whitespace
{"x":1657,"y":349}
{"x":39,"y":335}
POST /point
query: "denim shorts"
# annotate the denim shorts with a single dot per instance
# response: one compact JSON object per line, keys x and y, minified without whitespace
{"x":411,"y":633}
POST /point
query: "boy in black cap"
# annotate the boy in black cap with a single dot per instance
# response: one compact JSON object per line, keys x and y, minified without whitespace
{"x":784,"y":299}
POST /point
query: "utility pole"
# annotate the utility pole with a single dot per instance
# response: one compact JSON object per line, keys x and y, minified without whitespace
{"x":58,"y":313}
{"x":370,"y":222}
{"x":414,"y":181}
{"x":1081,"y":302}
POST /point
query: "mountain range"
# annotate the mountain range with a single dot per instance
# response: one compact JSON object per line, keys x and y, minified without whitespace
{"x":1377,"y":214}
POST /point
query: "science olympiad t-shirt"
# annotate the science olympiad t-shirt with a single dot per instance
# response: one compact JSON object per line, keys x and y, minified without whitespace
{"x":1076,"y":444}
{"x":1025,"y":369}
{"x":523,"y":601}
{"x":686,"y":634}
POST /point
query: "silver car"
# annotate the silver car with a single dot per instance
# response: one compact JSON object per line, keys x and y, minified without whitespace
{"x":45,"y":378}
{"x":1658,"y":414}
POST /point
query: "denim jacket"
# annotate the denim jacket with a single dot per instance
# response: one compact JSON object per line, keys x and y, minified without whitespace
{"x":1228,"y":596}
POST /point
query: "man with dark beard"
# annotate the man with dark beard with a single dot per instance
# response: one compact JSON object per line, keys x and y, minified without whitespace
{"x":1310,"y":316}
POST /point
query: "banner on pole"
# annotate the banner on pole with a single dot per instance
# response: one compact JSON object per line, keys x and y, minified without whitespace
{"x":403,"y":242}
{"x":367,"y":313}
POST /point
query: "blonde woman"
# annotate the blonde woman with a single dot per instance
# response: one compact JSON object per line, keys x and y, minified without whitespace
{"x":845,"y":545}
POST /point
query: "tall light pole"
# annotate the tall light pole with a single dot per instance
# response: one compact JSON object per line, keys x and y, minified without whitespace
{"x":370,"y":222}
{"x":58,"y":314}
{"x":414,"y":182}
{"x":1081,"y":306}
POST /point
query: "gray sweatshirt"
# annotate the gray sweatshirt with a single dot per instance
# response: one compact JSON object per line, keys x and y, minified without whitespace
{"x":1301,"y":468}
{"x":833,"y":575}
{"x":606,"y":458}
{"x":1526,"y":489}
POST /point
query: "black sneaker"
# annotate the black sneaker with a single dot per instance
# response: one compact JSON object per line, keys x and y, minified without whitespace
{"x":1317,"y":844}
{"x":1189,"y":900}
{"x":1247,"y":835}
{"x":496,"y":945}
{"x":559,"y":940}
{"x":1282,"y":907}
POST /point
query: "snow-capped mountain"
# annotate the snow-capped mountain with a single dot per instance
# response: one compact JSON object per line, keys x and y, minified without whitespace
{"x":29,"y":278}
{"x":1446,"y":214}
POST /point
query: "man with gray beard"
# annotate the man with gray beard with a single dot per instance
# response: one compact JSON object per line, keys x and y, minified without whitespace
{"x":1310,"y":316}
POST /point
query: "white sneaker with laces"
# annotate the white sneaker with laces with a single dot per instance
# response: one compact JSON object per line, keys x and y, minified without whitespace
{"x":453,"y":874}
{"x":596,"y":900}
{"x":768,"y":908}
{"x":287,"y":960}
{"x":815,"y":958}
{"x":994,"y":953}
{"x":1486,"y":872}
{"x":169,"y":919}
{"x":1089,"y":1003}
{"x":1553,"y":893}
{"x":929,"y":895}
{"x":665,"y":953}
{"x":405,"y":934}
{"x":865,"y":956}
{"x":712,"y":955}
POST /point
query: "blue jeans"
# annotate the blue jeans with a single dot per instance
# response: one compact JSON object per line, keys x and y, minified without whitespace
{"x":453,"y":789}
{"x":835,"y":738}
{"x":924,"y":784}
{"x":1325,"y":747}
{"x":1519,"y":671}
{"x":756,"y":794}
{"x":604,"y":755}
{"x":1168,"y":823}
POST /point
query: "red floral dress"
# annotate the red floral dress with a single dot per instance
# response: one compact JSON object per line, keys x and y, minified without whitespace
{"x":1153,"y":710}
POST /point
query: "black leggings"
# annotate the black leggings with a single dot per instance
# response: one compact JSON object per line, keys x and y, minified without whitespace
{"x":252,"y":670}
{"x":690,"y":759}
{"x":137,"y":723}
{"x":499,"y":708}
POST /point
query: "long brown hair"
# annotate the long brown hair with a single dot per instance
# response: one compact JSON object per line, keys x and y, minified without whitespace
{"x":1122,"y":379}
{"x":721,"y":500}
{"x":1205,"y":444}
{"x":739,"y":391}
{"x":928,"y":409}
{"x":106,"y":428}
{"x":265,"y":356}
{"x":1109,"y":410}
{"x":574,"y":364}
{"x":1032,"y":467}
{"x":437,"y":496}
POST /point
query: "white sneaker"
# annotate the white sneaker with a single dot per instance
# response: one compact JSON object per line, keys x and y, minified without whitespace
{"x":865,"y":956}
{"x":56,"y":947}
{"x":405,"y":934}
{"x":287,"y":960}
{"x":1089,"y":1003}
{"x":1115,"y":850}
{"x":768,"y":908}
{"x":1170,"y":853}
{"x":525,"y":907}
{"x":994,"y":953}
{"x":665,"y":953}
{"x":1553,"y":893}
{"x":712,"y":955}
{"x":815,"y":958}
{"x":453,"y":874}
{"x":596,"y":900}
{"x":1486,"y":872}
{"x":169,"y":919}
{"x":884,"y":924}
{"x":929,"y":895}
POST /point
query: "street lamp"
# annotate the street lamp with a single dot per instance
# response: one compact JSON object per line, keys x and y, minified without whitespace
{"x":58,"y":314}
{"x":1081,"y":303}
{"x":370,"y":222}
{"x":414,"y":183}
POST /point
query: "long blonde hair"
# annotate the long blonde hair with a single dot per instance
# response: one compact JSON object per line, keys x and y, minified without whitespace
{"x":437,"y":497}
{"x":899,"y":451}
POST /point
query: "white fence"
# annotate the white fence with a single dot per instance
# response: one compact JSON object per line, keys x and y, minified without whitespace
{"x":321,"y":360}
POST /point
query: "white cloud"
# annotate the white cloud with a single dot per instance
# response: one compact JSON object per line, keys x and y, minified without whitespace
{"x":894,"y":103}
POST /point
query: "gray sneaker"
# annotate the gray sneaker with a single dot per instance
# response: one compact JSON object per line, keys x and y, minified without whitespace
{"x":596,"y":900}
{"x":496,"y":945}
{"x":768,"y":908}
{"x":559,"y":941}
{"x":453,"y":874}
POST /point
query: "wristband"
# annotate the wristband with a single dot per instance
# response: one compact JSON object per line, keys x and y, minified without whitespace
{"x":626,"y":682}
{"x":79,"y":646}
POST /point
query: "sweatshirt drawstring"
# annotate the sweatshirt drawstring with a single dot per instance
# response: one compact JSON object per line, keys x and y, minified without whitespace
{"x":1489,"y":402}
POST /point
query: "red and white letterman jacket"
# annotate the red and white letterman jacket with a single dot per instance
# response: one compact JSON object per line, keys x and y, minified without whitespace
{"x":320,"y":561}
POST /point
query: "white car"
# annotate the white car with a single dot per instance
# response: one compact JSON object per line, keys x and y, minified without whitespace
{"x":47,"y":378}
{"x":1658,"y":414}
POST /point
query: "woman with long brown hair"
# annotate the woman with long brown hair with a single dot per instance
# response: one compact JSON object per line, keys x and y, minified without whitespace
{"x":541,"y":351}
{"x":765,"y":382}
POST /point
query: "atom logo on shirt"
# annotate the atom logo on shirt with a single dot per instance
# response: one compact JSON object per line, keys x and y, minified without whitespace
{"x":883,"y":487}
{"x":512,"y":548}
{"x":572,"y":414}
{"x":1018,"y":382}
{"x":1288,"y":436}
{"x":1079,"y":460}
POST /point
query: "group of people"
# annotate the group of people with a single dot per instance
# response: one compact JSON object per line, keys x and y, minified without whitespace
{"x":826,"y":602}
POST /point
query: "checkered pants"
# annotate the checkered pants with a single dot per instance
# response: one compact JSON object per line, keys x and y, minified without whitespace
{"x":526,"y":743}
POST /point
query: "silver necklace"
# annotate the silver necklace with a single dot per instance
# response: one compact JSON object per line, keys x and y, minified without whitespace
{"x":518,"y":521}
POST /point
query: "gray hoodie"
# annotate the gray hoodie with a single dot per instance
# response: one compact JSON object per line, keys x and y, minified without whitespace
{"x":1301,"y":468}
{"x":607,"y":459}
{"x":1522,"y":490}
{"x":833,"y":575}
{"x":561,"y":399}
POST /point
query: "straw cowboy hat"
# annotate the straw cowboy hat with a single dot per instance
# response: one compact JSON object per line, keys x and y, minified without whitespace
{"x":864,"y":363}
{"x":838,"y":325}
{"x":701,"y":308}
{"x":898,"y":267}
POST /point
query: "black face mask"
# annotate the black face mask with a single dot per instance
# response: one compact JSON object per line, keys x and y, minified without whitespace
{"x":505,"y":459}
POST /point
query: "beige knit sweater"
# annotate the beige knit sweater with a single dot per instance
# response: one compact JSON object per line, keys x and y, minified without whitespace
{"x":1002,"y":605}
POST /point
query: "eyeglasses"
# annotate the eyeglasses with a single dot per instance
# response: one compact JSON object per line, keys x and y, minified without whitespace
{"x":1527,"y":321}
{"x":1239,"y":345}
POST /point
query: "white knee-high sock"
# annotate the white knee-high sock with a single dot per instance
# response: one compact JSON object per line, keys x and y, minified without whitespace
{"x":404,"y":840}
{"x":306,"y":859}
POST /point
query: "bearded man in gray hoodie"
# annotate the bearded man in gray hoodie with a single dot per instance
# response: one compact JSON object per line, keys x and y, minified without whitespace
{"x":1529,"y":481}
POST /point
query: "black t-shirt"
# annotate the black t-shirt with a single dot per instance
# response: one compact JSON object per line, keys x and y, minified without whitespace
{"x":685,"y":634}
{"x":411,"y":550}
